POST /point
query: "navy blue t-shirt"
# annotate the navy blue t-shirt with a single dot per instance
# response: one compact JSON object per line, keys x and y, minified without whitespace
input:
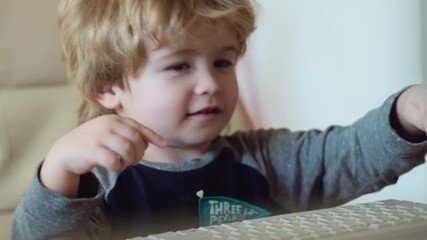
{"x":145,"y":200}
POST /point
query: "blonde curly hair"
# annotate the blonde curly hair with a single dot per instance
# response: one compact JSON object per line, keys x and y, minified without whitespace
{"x":103,"y":40}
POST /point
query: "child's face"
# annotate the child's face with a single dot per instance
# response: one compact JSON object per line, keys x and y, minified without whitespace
{"x":187,"y":91}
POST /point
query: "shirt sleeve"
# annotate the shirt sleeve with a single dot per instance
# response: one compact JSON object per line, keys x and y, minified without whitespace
{"x":43,"y":214}
{"x":316,"y":169}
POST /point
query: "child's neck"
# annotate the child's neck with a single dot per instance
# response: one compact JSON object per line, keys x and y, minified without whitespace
{"x":173,"y":154}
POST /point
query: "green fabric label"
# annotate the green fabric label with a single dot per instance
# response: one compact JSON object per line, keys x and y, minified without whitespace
{"x":219,"y":210}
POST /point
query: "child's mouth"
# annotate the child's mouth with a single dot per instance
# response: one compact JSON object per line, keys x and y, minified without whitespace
{"x":206,"y":111}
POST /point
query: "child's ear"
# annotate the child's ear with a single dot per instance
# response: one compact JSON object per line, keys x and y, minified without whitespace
{"x":107,"y":96}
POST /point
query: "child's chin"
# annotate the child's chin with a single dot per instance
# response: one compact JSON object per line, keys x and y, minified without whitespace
{"x":200,"y":139}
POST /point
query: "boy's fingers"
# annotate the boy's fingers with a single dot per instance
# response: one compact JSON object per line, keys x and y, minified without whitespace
{"x":109,"y":159}
{"x":152,"y":137}
{"x":148,"y":134}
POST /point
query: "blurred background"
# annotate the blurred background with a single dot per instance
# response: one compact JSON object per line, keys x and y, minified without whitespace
{"x":311,"y":64}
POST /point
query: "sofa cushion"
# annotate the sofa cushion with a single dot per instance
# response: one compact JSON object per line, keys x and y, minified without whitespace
{"x":31,"y":120}
{"x":29,"y":43}
{"x":5,"y":224}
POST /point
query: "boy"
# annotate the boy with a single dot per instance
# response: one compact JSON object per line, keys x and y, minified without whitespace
{"x":159,"y":84}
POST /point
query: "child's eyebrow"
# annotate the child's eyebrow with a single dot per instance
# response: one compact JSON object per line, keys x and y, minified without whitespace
{"x":172,"y":52}
{"x":177,"y":52}
{"x":230,"y":48}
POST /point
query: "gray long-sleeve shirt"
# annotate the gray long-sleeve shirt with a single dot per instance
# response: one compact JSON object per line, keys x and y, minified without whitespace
{"x":276,"y":169}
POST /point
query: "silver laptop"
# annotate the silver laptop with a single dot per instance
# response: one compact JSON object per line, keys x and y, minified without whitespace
{"x":389,"y":219}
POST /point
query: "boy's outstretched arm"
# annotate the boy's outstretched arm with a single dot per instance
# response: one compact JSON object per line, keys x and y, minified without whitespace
{"x":410,"y":116}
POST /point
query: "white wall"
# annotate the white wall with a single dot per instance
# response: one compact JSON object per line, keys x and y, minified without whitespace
{"x":424,"y":35}
{"x":313,"y":63}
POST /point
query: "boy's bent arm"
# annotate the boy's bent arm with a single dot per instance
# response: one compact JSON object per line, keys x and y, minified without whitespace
{"x":108,"y":141}
{"x":59,"y":180}
{"x":43,"y":214}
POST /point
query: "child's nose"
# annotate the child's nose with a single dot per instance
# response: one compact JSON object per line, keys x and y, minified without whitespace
{"x":207,"y":84}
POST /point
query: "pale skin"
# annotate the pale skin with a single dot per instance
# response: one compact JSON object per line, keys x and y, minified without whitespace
{"x":172,"y":111}
{"x":109,"y":141}
{"x":411,"y":113}
{"x":201,"y":74}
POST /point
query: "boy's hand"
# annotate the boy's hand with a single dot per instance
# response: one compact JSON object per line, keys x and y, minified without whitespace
{"x":411,"y":111}
{"x":108,"y":141}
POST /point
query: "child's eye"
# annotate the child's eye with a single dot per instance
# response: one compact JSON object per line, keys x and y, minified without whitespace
{"x":222,"y":63}
{"x":179,"y":67}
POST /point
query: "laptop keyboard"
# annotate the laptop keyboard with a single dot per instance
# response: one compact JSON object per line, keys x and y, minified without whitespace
{"x":366,"y":220}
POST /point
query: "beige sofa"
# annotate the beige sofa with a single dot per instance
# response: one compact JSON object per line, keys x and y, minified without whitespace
{"x":36,"y":104}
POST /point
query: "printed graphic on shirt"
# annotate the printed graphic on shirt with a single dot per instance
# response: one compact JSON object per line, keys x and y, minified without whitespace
{"x":219,"y":210}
